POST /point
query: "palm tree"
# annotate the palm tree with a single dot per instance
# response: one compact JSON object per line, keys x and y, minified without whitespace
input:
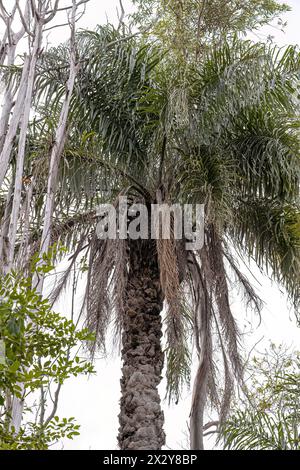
{"x":222,"y":132}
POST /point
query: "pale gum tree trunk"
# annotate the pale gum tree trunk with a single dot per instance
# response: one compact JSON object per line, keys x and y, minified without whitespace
{"x":7,"y":102}
{"x":18,"y":405}
{"x":9,"y":125}
{"x":198,"y":407}
{"x":5,"y":154}
{"x":58,"y":147}
{"x":10,"y":40}
{"x":23,"y":253}
{"x":22,"y":145}
{"x":141,"y":418}
{"x":4,"y":227}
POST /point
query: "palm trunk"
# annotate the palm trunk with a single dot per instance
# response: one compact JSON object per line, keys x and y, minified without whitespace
{"x":141,"y":418}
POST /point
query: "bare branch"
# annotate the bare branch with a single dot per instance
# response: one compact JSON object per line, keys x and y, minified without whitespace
{"x":23,"y":20}
{"x":210,"y":424}
{"x":3,"y":9}
{"x":56,"y":26}
{"x":34,"y":9}
{"x":53,"y":13}
{"x":55,"y":405}
{"x":122,"y":15}
{"x":69,"y":7}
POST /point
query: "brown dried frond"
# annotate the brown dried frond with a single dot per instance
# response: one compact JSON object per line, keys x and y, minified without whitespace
{"x":224,"y":401}
{"x":63,"y":280}
{"x":119,"y":281}
{"x":98,"y":299}
{"x":228,"y":325}
{"x":204,"y":384}
{"x":250,"y":296}
{"x":202,"y":300}
{"x":169,"y":278}
{"x":213,"y":315}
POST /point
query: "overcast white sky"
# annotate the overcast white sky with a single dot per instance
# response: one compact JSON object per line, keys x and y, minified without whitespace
{"x":94,"y":401}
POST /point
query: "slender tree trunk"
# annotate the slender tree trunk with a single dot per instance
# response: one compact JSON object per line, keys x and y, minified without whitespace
{"x":7,"y":103}
{"x":58,"y":147}
{"x":10,"y":42}
{"x":13,"y":226}
{"x":14,"y":122}
{"x":198,"y":407}
{"x":4,"y":226}
{"x":141,"y":418}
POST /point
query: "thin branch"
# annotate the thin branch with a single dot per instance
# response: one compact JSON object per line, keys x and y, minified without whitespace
{"x":5,"y":13}
{"x":210,"y":424}
{"x":70,"y":7}
{"x":25,"y":26}
{"x":35,"y":11}
{"x":57,"y":26}
{"x":53,"y":13}
{"x":55,"y":405}
{"x":121,"y":16}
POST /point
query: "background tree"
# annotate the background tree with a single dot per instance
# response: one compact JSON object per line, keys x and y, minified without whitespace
{"x":266,"y":415}
{"x":188,"y":27}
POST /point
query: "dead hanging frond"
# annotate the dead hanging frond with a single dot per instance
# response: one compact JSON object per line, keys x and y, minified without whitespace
{"x":106,"y":287}
{"x":228,"y":378}
{"x":203,"y":305}
{"x":119,"y":281}
{"x":215,"y":329}
{"x":169,"y":273}
{"x":169,"y":277}
{"x":98,"y":299}
{"x":211,"y":277}
{"x":172,"y":261}
{"x":204,"y":380}
{"x":64,"y":278}
{"x":177,"y":319}
{"x":251,"y":298}
{"x":228,"y":325}
{"x":179,"y":356}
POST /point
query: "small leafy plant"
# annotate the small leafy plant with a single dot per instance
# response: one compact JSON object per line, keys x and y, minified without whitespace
{"x":37,"y":357}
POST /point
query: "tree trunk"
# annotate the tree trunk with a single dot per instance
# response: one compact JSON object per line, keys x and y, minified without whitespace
{"x":198,"y":407}
{"x":57,"y":150}
{"x":141,"y":418}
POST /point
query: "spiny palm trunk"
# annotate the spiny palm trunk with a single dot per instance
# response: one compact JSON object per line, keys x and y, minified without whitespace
{"x":141,"y":418}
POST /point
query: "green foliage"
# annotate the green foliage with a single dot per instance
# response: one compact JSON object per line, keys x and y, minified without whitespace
{"x":188,"y":27}
{"x":33,"y":436}
{"x":268,"y":414}
{"x":39,"y":349}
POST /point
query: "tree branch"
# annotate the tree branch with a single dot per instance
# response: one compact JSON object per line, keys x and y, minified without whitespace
{"x":23,"y":21}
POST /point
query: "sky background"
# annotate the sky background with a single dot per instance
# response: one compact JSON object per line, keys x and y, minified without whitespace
{"x":94,"y":401}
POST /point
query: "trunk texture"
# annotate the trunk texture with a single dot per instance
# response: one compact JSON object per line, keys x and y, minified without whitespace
{"x":141,"y":418}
